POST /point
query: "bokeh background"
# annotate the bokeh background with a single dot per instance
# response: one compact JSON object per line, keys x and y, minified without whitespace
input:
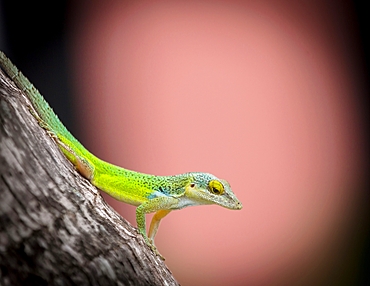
{"x":270,"y":95}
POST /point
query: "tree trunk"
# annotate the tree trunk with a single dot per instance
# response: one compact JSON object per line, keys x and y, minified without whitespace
{"x":55,"y":228}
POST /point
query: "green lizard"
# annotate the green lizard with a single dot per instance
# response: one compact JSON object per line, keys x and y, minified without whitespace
{"x":159,"y":194}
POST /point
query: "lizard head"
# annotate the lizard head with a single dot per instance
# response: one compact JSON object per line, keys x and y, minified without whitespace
{"x":204,"y":188}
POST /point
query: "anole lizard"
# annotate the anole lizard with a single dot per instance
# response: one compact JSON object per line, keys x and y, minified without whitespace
{"x":159,"y":194}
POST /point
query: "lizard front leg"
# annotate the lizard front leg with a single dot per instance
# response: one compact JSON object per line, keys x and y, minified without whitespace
{"x":161,"y":205}
{"x":155,"y":223}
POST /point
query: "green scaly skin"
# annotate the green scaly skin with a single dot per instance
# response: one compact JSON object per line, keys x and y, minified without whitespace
{"x":160,"y":194}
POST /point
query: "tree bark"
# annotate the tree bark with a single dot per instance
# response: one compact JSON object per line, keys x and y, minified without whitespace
{"x":55,"y":228}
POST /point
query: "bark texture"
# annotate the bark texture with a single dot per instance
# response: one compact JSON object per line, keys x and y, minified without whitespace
{"x":55,"y":228}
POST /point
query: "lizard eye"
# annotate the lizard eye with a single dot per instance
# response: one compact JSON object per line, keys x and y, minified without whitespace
{"x":192,"y":185}
{"x":216,"y":187}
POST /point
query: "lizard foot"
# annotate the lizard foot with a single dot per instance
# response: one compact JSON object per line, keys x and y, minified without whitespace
{"x":149,"y":242}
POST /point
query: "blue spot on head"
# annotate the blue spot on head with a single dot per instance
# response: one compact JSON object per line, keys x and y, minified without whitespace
{"x":160,"y":192}
{"x":163,"y":190}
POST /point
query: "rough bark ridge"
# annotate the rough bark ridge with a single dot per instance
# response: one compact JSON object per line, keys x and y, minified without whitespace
{"x":55,"y":228}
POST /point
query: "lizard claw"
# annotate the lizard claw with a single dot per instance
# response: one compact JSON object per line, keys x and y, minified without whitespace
{"x":156,"y":252}
{"x":149,"y":242}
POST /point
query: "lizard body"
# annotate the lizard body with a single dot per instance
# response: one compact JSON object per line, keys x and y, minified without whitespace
{"x":150,"y":193}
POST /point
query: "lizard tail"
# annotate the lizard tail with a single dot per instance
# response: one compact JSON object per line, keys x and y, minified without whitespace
{"x":44,"y":113}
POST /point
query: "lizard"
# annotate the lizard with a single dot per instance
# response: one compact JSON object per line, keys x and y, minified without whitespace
{"x":149,"y":193}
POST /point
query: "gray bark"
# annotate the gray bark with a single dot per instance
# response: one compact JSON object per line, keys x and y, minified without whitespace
{"x":55,"y":228}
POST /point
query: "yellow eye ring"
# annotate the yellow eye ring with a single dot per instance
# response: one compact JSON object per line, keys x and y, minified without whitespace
{"x":216,"y":187}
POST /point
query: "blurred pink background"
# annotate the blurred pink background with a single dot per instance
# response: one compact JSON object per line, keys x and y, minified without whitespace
{"x":260,"y":93}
